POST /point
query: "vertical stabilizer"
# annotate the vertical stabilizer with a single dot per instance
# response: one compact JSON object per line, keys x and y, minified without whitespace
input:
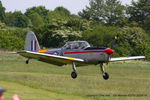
{"x":31,"y":42}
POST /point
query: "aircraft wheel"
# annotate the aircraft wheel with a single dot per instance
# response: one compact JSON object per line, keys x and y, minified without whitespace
{"x":106,"y":76}
{"x":27,"y":61}
{"x":74,"y":75}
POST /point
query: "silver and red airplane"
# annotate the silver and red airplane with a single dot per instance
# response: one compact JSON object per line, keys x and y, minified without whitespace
{"x":77,"y":53}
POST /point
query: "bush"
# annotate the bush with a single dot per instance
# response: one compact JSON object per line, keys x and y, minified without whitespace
{"x":100,"y":35}
{"x":12,"y":39}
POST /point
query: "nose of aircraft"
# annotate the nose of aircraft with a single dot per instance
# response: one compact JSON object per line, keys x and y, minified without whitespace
{"x":109,"y":51}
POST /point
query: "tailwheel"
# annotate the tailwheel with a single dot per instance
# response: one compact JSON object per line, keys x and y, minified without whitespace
{"x":74,"y":75}
{"x":105,"y":75}
{"x":27,"y":61}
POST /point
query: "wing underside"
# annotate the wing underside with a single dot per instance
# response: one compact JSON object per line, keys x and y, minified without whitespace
{"x":126,"y":58}
{"x":53,"y":59}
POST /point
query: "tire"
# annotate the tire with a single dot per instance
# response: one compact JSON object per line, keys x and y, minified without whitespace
{"x":74,"y":75}
{"x":27,"y":61}
{"x":106,"y":76}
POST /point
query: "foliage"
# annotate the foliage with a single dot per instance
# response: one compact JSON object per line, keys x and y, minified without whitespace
{"x":12,"y":39}
{"x":2,"y":25}
{"x":143,"y":49}
{"x":146,"y":25}
{"x":10,"y":19}
{"x":78,"y":24}
{"x":133,"y":35}
{"x":62,"y":11}
{"x":123,"y":49}
{"x":36,"y":20}
{"x":17,"y":19}
{"x":100,"y":35}
{"x":2,"y":12}
{"x":85,"y":14}
{"x":41,"y":10}
{"x":59,"y":32}
{"x":110,"y":12}
{"x":129,"y":38}
{"x":20,"y":19}
{"x":139,"y":11}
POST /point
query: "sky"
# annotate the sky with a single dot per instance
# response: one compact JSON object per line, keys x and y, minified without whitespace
{"x":74,"y":6}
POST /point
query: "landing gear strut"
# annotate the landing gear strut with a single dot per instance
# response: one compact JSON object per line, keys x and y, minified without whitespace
{"x":74,"y":73}
{"x":105,"y":74}
{"x":27,"y":61}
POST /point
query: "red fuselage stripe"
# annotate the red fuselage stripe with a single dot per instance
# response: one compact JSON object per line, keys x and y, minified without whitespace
{"x":34,"y":45}
{"x":83,"y":52}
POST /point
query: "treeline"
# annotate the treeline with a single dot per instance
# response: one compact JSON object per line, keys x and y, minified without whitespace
{"x":98,"y":23}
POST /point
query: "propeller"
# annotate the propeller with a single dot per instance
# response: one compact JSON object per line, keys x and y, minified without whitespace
{"x":114,"y":42}
{"x":112,"y":46}
{"x":109,"y":51}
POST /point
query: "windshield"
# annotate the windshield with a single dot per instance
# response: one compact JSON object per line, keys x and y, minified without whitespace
{"x":76,"y":45}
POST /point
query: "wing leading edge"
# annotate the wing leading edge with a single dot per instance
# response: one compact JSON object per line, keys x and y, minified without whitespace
{"x":53,"y":59}
{"x":126,"y":58}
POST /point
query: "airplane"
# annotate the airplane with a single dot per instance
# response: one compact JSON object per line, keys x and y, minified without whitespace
{"x":77,"y":53}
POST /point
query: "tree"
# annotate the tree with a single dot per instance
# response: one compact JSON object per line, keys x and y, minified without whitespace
{"x":143,"y":49}
{"x":58,"y":32}
{"x":139,"y":11}
{"x":12,"y":38}
{"x":146,"y":25}
{"x":36,"y":20}
{"x":20,"y":19}
{"x":41,"y":10}
{"x":110,"y":12}
{"x":133,"y":35}
{"x":100,"y":35}
{"x":2,"y":25}
{"x":62,"y":11}
{"x":85,"y":14}
{"x":17,"y":19}
{"x":10,"y":19}
{"x":78,"y":24}
{"x":2,"y":13}
{"x":129,"y":39}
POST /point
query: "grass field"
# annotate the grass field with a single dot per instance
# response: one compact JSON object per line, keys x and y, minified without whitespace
{"x":42,"y":81}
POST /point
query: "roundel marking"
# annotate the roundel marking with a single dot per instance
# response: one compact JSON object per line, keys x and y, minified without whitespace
{"x":55,"y":53}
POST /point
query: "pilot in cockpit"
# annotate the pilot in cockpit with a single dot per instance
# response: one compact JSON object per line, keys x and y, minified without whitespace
{"x":81,"y":45}
{"x":69,"y":46}
{"x":76,"y":45}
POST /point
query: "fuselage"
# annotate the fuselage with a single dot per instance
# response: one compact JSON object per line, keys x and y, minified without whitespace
{"x":92,"y":55}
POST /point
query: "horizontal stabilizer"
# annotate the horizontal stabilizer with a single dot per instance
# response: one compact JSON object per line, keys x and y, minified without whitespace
{"x":127,"y":58}
{"x":12,"y":52}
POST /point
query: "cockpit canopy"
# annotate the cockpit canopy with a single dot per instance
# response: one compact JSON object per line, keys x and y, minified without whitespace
{"x":76,"y":45}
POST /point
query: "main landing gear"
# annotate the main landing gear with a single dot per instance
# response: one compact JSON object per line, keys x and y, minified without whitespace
{"x":105,"y":74}
{"x":74,"y":73}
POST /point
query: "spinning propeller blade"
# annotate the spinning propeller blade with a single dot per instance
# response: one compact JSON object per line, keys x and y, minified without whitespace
{"x":112,"y":46}
{"x":114,"y":42}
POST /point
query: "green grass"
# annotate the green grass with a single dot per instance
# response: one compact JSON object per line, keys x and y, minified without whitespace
{"x":42,"y":81}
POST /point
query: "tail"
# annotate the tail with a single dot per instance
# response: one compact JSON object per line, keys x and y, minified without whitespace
{"x":31,"y":42}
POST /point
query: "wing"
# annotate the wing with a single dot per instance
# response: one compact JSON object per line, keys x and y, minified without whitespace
{"x":127,"y":58}
{"x":53,"y":59}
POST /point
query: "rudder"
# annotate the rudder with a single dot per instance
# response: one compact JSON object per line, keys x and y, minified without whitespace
{"x":31,"y":42}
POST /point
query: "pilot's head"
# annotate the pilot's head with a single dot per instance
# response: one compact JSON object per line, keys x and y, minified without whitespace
{"x":69,"y":46}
